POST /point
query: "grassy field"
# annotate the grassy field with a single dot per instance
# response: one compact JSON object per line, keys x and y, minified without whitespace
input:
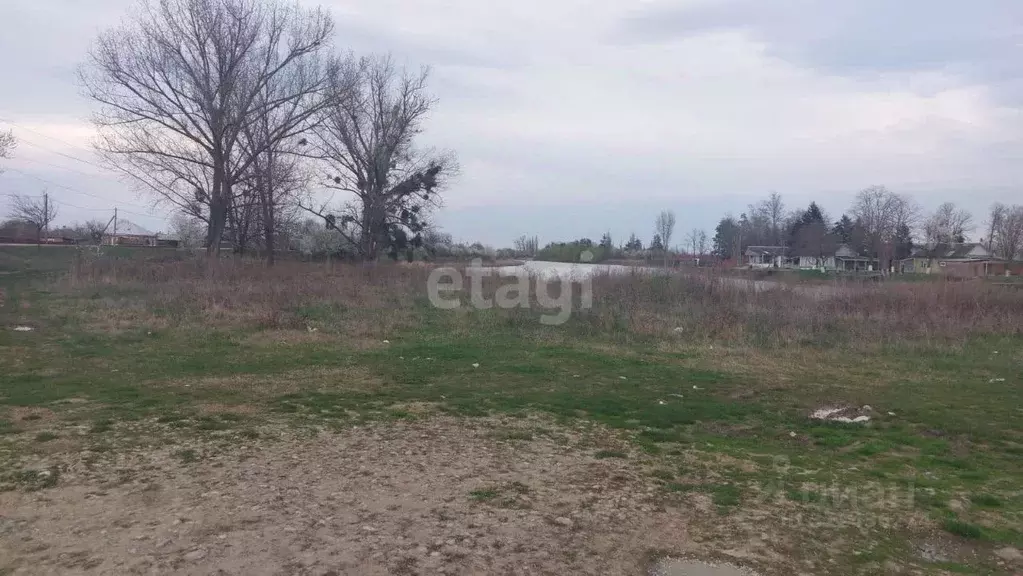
{"x":704,"y":389}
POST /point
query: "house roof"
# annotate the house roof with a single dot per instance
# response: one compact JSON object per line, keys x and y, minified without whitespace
{"x":767,"y":250}
{"x":967,"y":251}
{"x":126,"y":228}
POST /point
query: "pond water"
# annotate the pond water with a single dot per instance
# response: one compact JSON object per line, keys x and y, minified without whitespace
{"x":571,"y":271}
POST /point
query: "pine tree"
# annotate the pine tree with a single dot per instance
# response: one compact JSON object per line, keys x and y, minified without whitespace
{"x":634,"y":244}
{"x":656,"y":245}
{"x":844,"y":230}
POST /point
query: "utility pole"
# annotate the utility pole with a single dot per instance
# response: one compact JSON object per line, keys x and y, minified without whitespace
{"x":113,"y":237}
{"x":46,"y":214}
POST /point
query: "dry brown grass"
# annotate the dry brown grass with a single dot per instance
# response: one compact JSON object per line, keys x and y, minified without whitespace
{"x":365,"y":304}
{"x":369,"y":299}
{"x":707,"y":307}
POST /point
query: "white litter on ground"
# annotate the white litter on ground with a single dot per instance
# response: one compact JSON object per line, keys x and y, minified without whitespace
{"x":476,"y":365}
{"x":839,"y":415}
{"x":23,"y":328}
{"x":993,"y":380}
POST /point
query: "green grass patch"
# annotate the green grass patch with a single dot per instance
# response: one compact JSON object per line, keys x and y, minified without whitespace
{"x":986,"y":501}
{"x":963,"y":529}
{"x":484,"y":494}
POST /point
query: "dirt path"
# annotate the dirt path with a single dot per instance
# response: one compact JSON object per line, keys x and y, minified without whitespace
{"x":432,"y":497}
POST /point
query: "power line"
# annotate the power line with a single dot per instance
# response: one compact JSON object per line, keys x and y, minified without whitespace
{"x":54,"y":138}
{"x":34,"y":161}
{"x":70,"y":189}
{"x":59,"y":153}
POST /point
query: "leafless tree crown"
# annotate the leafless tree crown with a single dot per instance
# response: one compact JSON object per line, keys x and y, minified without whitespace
{"x":7,"y":144}
{"x":948,"y":224}
{"x":368,"y":139}
{"x":35,"y":210}
{"x":182,"y":83}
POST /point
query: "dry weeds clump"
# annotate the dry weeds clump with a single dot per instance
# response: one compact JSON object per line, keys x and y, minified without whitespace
{"x":714,"y":307}
{"x":345,"y":296}
{"x":244,"y":292}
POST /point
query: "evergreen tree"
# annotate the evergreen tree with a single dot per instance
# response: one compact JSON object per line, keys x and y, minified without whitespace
{"x":634,"y":244}
{"x":725,"y":236}
{"x":903,"y":242}
{"x":843,"y":229}
{"x":656,"y":245}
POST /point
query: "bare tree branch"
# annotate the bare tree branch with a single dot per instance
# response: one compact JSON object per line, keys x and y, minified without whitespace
{"x":37,"y":211}
{"x":181,"y":83}
{"x":367,"y":136}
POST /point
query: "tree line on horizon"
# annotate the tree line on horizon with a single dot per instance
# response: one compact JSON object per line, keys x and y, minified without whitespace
{"x":879,"y":224}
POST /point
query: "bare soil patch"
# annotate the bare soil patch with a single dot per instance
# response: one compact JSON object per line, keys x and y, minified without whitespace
{"x":433,"y":496}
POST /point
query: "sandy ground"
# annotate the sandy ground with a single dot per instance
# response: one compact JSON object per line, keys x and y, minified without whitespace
{"x":385,"y":499}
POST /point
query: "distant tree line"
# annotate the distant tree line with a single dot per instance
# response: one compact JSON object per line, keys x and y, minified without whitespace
{"x":880,"y":224}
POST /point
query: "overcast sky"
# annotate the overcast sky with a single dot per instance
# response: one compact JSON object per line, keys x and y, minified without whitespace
{"x":575,"y":117}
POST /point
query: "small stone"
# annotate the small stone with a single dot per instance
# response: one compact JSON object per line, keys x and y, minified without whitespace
{"x":434,"y":554}
{"x":562,"y":521}
{"x":195,"y":555}
{"x":368,"y":529}
{"x":1009,"y":554}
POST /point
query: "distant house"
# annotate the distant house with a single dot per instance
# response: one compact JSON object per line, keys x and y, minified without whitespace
{"x":966,"y":260}
{"x":124,"y":233}
{"x":767,"y":257}
{"x":841,"y":258}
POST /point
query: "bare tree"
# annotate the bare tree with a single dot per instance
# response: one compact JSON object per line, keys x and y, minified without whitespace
{"x":180,"y":83}
{"x":665,"y":226}
{"x":773,"y":210}
{"x":7,"y":145}
{"x":1008,"y":235}
{"x":39,"y":212}
{"x":881,"y":213}
{"x":527,"y":245}
{"x":367,"y":139}
{"x":948,"y":225}
{"x":188,"y":229}
{"x":994,"y":224}
{"x":693,"y":241}
{"x":701,"y":243}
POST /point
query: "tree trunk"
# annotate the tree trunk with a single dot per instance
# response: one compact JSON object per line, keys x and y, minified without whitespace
{"x":218,"y":212}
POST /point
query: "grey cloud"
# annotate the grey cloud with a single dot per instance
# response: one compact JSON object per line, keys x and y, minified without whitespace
{"x":981,"y":40}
